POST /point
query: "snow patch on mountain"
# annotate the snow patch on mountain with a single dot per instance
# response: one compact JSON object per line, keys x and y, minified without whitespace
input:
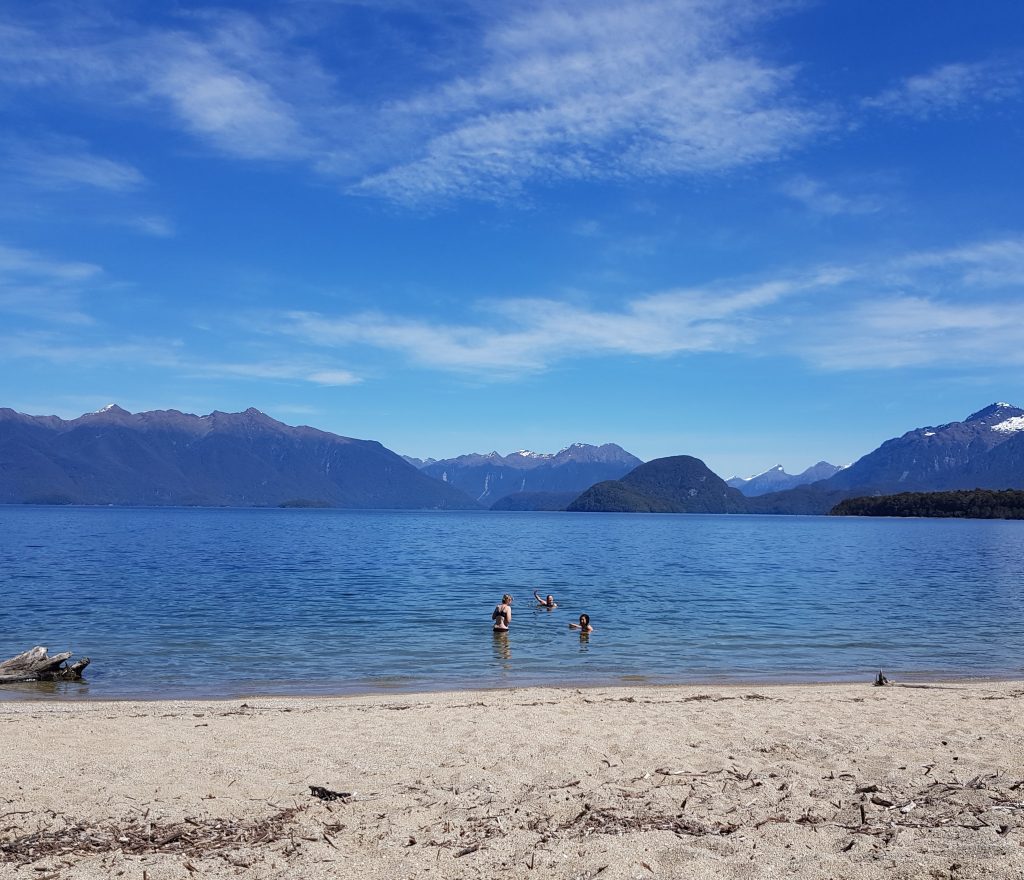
{"x":1011,"y":425}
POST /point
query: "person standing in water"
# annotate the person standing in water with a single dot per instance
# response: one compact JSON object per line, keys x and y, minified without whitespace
{"x":548,"y":602}
{"x":502,"y":614}
{"x":584,"y":625}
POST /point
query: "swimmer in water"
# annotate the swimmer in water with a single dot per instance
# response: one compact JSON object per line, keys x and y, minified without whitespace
{"x":584,"y":625}
{"x":502,"y":614}
{"x":548,"y":602}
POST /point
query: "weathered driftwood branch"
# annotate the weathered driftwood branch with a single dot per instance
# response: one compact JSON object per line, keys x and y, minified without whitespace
{"x":36,"y":665}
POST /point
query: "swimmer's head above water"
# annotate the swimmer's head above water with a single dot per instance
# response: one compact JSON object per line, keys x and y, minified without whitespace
{"x":584,"y":625}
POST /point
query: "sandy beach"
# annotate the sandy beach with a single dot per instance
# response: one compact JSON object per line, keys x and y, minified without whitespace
{"x":815,"y":781}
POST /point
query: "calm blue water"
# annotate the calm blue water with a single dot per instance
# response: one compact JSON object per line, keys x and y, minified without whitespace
{"x":184,"y":602}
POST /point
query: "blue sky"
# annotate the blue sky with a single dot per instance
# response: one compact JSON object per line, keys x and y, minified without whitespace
{"x":753,"y":232}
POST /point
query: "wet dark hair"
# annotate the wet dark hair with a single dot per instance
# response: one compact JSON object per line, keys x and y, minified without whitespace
{"x":584,"y":620}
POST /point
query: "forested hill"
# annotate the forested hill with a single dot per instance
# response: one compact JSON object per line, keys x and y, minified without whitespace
{"x":967,"y":504}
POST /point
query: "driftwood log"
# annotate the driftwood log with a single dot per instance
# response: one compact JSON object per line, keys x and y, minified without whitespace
{"x":37,"y":665}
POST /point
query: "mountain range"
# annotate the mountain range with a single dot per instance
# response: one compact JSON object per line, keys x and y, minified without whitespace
{"x":493,"y":477}
{"x":985,"y":451}
{"x":167,"y":457}
{"x":777,"y":480}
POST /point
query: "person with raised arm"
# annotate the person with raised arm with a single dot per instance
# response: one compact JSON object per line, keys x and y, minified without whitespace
{"x":548,"y":602}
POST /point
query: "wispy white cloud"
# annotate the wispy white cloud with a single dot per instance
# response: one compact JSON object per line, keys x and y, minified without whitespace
{"x":819,"y":198}
{"x":226,"y":78}
{"x":238,"y":110}
{"x":528,"y":335}
{"x":61,"y":166}
{"x":300,"y":370}
{"x":18,"y":261}
{"x":957,"y":306}
{"x":885,"y":314}
{"x":598,"y":91}
{"x":547,"y":92}
{"x":35,"y":285}
{"x":333,"y":377}
{"x":899,"y":331}
{"x":531,"y":94}
{"x":949,"y":87}
{"x":63,"y":179}
{"x":59,"y":348}
{"x":172,"y":355}
{"x":150,"y":224}
{"x":995,"y":263}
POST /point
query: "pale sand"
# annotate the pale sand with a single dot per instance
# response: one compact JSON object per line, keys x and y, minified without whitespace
{"x":761,"y":782}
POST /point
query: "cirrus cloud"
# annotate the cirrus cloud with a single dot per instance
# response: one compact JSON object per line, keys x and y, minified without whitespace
{"x":908,"y":310}
{"x":949,"y":87}
{"x":546,"y":93}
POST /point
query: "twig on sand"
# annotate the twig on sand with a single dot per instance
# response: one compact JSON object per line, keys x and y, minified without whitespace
{"x":191,"y":837}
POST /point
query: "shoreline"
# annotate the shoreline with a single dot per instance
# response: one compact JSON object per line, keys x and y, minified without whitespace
{"x":37,"y":692}
{"x":817,"y":781}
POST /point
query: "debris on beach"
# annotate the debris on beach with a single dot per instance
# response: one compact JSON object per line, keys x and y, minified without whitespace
{"x":36,"y":665}
{"x":326,"y":794}
{"x":64,"y":836}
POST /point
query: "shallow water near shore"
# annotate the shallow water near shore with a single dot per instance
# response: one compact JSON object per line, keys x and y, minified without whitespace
{"x":214,"y":603}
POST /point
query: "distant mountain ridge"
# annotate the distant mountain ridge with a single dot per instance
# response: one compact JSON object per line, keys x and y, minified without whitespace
{"x":984,"y":451}
{"x":418,"y":462}
{"x":941,"y":457}
{"x":166,"y":457}
{"x":492,"y":477}
{"x":776,"y":479}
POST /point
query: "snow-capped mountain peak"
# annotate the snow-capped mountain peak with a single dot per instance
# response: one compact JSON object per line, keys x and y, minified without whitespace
{"x":997,"y":411}
{"x":776,"y":479}
{"x":526,"y":453}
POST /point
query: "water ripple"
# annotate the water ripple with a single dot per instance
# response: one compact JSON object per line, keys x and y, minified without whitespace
{"x":178,"y":602}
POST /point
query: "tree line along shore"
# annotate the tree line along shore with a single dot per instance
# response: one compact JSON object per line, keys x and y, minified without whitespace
{"x":964,"y":504}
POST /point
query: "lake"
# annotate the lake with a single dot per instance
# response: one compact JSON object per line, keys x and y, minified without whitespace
{"x":218,"y":602}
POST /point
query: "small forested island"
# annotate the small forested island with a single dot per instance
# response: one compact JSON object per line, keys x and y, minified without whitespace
{"x":964,"y":503}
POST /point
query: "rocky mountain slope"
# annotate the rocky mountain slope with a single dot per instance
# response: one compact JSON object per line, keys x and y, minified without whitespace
{"x":939,"y":457}
{"x":984,"y":451}
{"x":167,"y":457}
